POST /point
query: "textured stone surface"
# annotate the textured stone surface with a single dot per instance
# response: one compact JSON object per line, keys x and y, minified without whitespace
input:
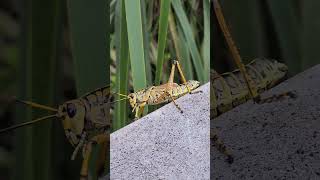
{"x":278,"y":140}
{"x":165,"y":144}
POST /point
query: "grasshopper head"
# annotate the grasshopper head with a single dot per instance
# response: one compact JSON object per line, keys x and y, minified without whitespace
{"x":73,"y":114}
{"x":279,"y":72}
{"x":281,"y":67}
{"x":132,"y":99}
{"x":192,"y":84}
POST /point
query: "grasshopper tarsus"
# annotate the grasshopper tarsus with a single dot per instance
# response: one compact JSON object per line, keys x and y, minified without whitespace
{"x":292,"y":94}
{"x":196,"y":92}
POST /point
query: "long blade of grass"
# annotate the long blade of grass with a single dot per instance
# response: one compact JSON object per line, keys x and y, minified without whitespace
{"x":162,"y":37}
{"x":246,"y":25}
{"x":180,"y":46}
{"x":88,"y":25}
{"x":287,"y":29}
{"x":89,"y":29}
{"x":186,"y":27}
{"x":135,"y":38}
{"x":42,"y":27}
{"x":146,"y":40}
{"x":23,"y":140}
{"x":185,"y":55}
{"x":121,"y":110}
{"x":206,"y":39}
{"x":310,"y":38}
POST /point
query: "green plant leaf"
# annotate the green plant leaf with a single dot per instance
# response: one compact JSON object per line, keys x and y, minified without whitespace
{"x":135,"y":38}
{"x":162,"y":37}
{"x":89,"y":33}
{"x":121,"y":109}
{"x":186,"y":28}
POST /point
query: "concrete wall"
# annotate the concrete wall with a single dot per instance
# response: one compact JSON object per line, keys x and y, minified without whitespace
{"x":165,"y":144}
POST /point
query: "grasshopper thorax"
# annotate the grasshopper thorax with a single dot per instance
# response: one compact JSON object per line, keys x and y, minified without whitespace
{"x":73,"y":117}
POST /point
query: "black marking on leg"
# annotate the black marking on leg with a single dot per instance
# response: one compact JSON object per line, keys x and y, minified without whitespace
{"x":195,"y":92}
{"x":229,"y":159}
{"x":292,"y":95}
{"x":222,"y":148}
{"x":277,"y":97}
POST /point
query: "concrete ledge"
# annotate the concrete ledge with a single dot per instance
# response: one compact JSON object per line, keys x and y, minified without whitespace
{"x":165,"y":144}
{"x":279,"y":140}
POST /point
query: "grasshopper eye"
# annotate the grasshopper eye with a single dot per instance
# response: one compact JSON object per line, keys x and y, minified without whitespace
{"x":71,"y":110}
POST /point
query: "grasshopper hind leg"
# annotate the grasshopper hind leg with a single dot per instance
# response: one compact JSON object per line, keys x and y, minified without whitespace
{"x":183,"y":79}
{"x":174,"y":102}
{"x":220,"y":146}
{"x":277,"y":97}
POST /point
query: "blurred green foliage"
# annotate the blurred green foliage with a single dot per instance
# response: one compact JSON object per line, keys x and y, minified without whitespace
{"x":37,"y":41}
{"x":283,"y":30}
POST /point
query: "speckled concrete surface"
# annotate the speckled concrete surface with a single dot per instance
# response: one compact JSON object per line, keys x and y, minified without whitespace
{"x":279,"y":140}
{"x":165,"y":144}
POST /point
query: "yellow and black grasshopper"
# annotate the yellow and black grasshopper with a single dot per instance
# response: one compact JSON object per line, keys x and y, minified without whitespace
{"x":231,"y":89}
{"x":86,"y":122}
{"x":163,"y":93}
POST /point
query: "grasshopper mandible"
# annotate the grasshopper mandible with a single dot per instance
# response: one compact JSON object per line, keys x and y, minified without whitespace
{"x":86,"y":122}
{"x":163,"y":93}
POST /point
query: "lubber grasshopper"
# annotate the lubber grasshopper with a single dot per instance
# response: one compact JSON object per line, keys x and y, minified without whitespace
{"x":161,"y":94}
{"x":231,"y":89}
{"x":86,"y":122}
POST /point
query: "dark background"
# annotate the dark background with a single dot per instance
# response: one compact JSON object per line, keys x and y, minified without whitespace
{"x":18,"y":73}
{"x":283,"y":30}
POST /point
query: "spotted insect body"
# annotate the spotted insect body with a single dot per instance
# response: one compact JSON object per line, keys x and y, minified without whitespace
{"x":86,"y":117}
{"x":163,"y":93}
{"x":158,"y":95}
{"x":229,"y":89}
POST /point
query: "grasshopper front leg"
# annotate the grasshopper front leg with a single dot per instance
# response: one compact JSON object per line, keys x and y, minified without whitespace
{"x":101,"y":140}
{"x":139,"y":110}
{"x":140,"y":107}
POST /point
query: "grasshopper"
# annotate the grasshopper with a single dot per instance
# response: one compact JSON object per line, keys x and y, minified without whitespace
{"x":161,"y":94}
{"x":232,"y":89}
{"x":86,"y":122}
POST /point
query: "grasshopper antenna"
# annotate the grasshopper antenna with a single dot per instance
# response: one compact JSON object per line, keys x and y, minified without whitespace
{"x":35,"y":105}
{"x":118,"y":100}
{"x":123,"y":95}
{"x":28,"y":123}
